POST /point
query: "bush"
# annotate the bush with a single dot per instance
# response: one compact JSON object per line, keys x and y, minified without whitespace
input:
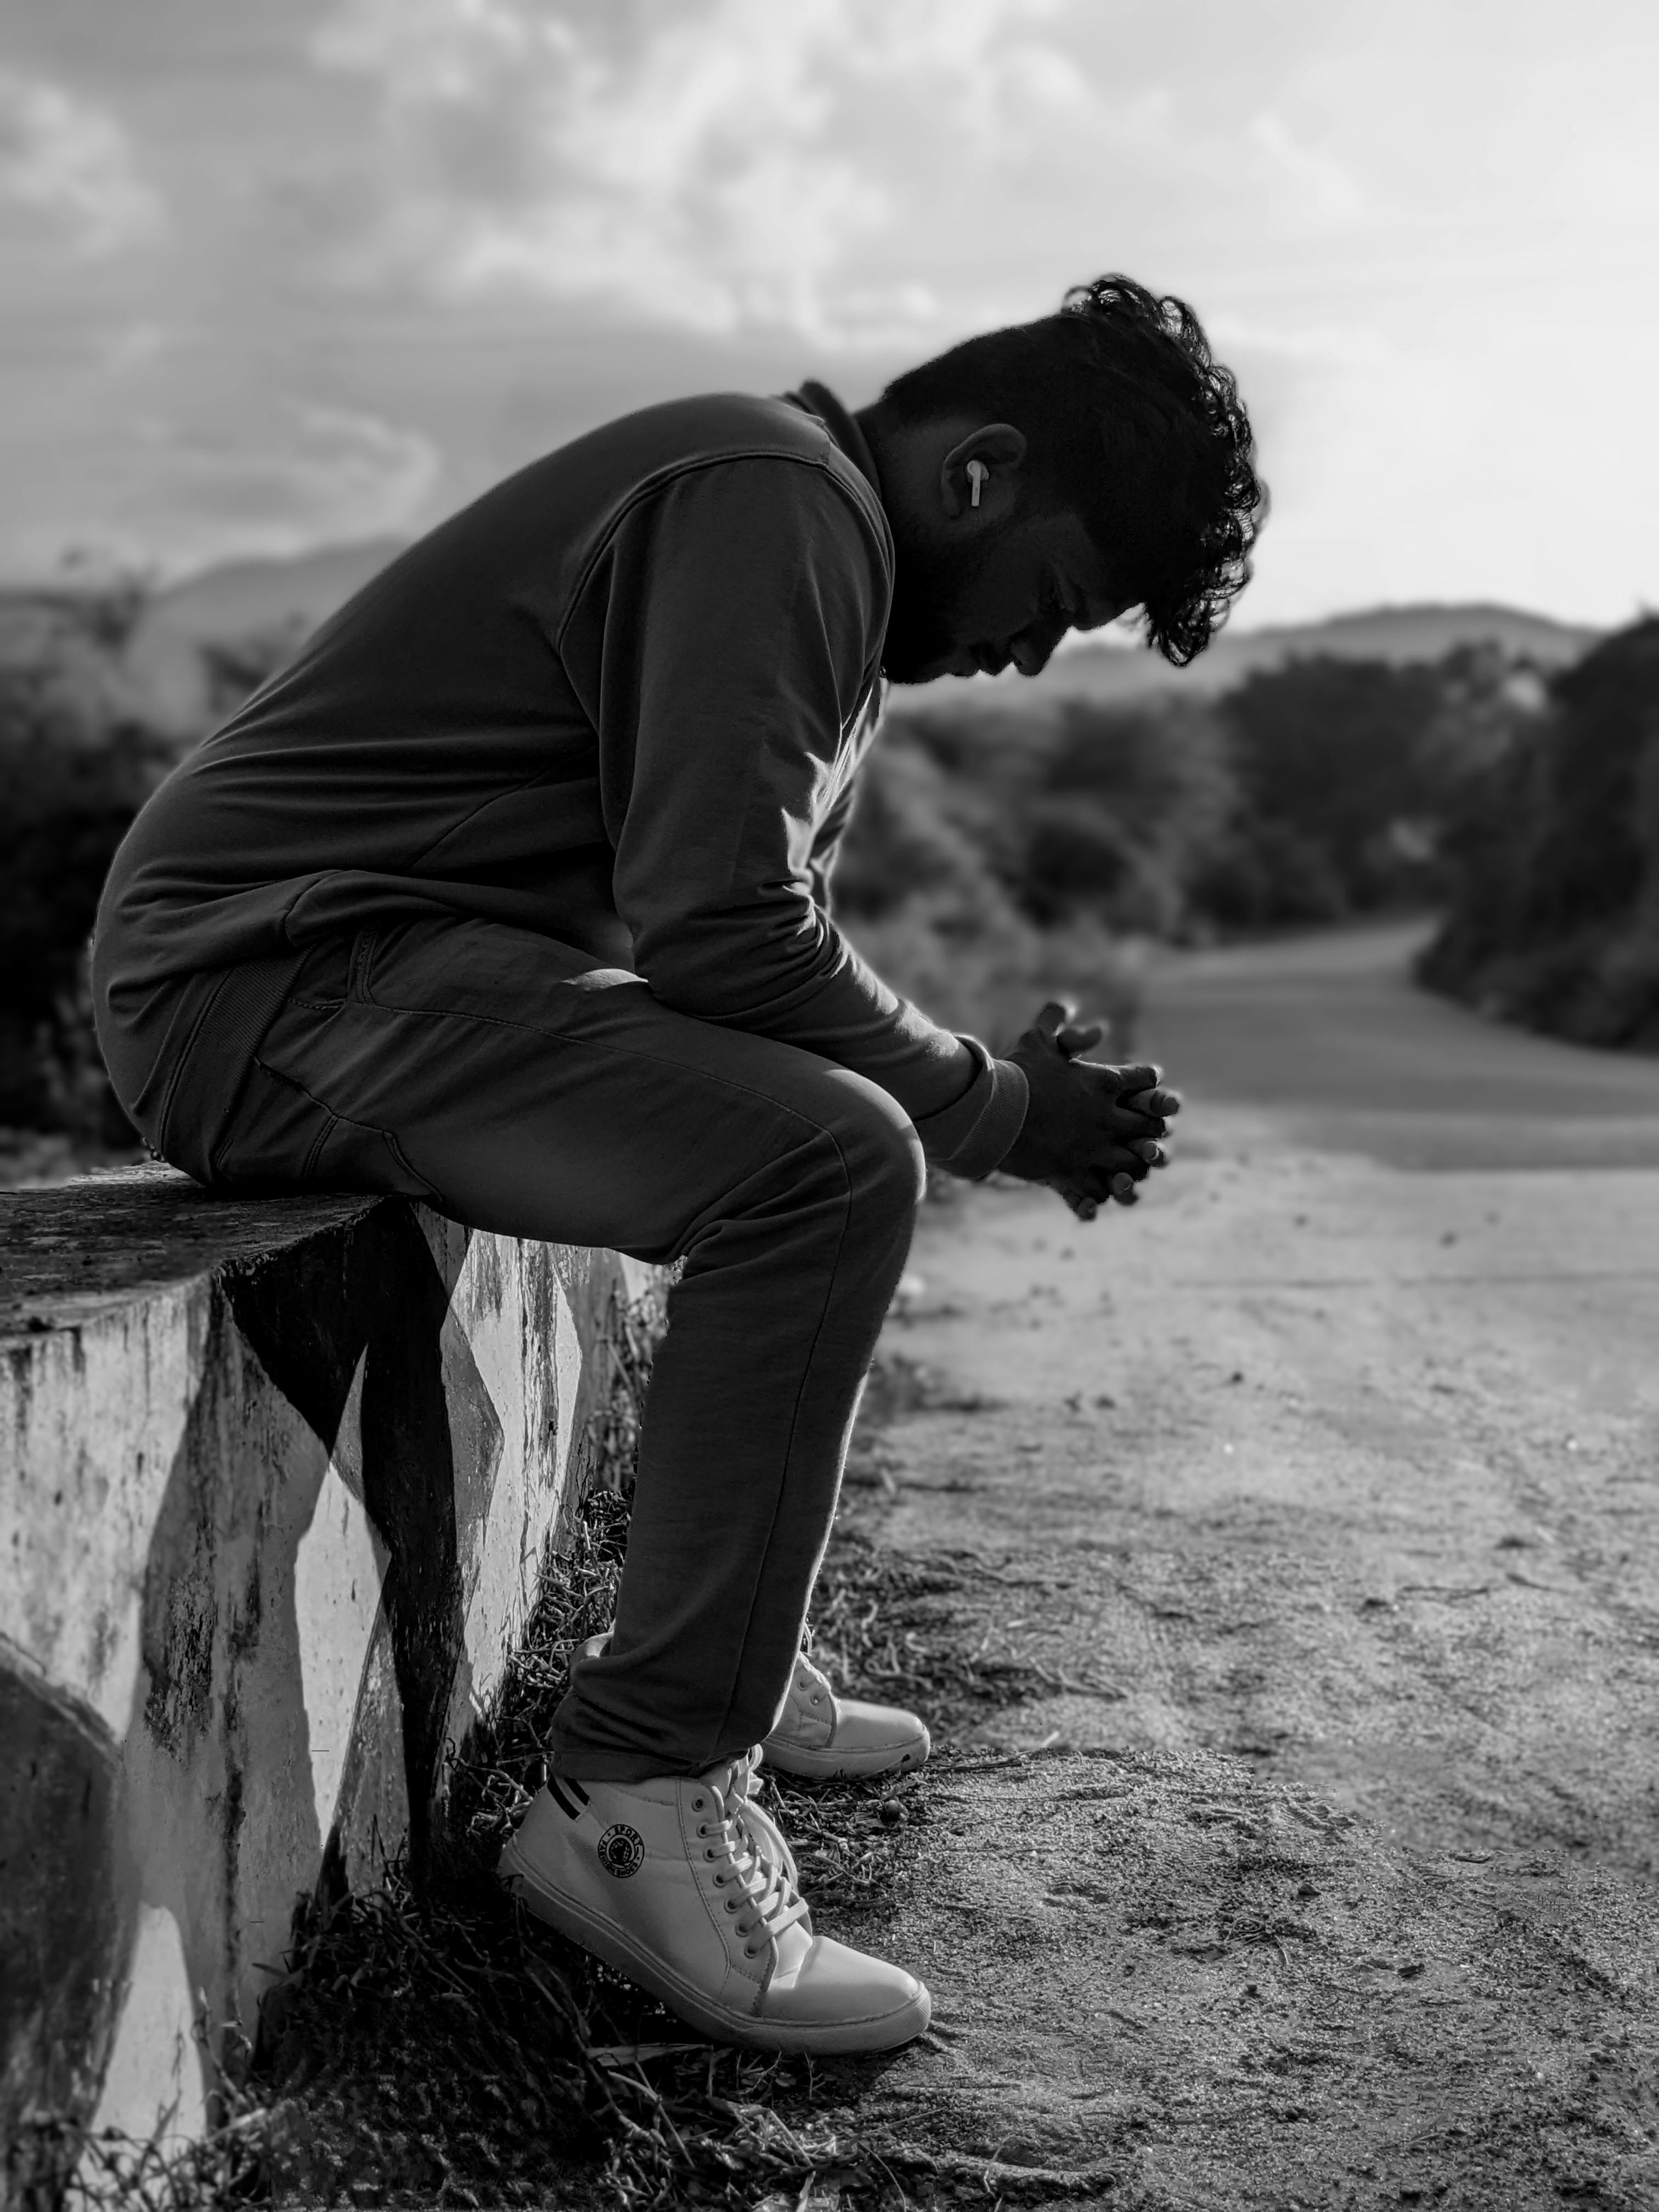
{"x":907,"y":840}
{"x":67,"y":794}
{"x":1339,"y":753}
{"x":995,"y":854}
{"x":1554,"y":919}
{"x":1268,"y":875}
{"x":988,"y":972}
{"x":934,"y":883}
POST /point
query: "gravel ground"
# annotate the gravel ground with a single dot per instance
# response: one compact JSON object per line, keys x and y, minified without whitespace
{"x":1322,"y":1491}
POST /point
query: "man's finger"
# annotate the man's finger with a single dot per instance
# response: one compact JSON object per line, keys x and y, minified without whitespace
{"x":1135,"y":1078}
{"x":1119,"y":1160}
{"x":1159,"y":1103}
{"x":1086,"y":1207}
{"x":1126,"y":1127}
{"x":1113,"y":1088}
{"x":1121,"y":1125}
{"x":1124,"y":1190}
{"x":1054,"y":1017}
{"x":1077,"y":1037}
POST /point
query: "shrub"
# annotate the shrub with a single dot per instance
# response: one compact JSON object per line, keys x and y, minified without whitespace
{"x":64,"y":807}
{"x":1337,"y":751}
{"x":986,"y":971}
{"x":906,"y":839}
{"x":1554,"y":919}
{"x":76,"y":763}
{"x":1268,"y":875}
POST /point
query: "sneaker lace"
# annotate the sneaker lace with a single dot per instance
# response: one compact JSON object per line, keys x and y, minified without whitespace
{"x":813,"y":1683}
{"x":753,"y":1863}
{"x":777,"y":1842}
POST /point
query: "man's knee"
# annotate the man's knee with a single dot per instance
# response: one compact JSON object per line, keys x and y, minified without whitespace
{"x":879,"y":1144}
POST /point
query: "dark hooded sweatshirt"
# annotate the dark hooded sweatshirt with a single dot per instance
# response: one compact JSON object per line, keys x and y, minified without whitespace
{"x":620,"y":701}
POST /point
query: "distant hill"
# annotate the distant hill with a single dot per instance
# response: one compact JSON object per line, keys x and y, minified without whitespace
{"x":237,"y":597}
{"x":1397,"y":635}
{"x":236,"y":603}
{"x":159,"y":670}
{"x":277,"y":603}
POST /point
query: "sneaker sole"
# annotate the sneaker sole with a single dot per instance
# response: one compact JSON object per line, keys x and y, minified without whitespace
{"x":611,"y":1944}
{"x":825,"y":1765}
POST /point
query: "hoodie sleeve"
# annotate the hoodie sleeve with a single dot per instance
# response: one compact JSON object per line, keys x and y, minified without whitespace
{"x":745,"y":603}
{"x":827,"y":844}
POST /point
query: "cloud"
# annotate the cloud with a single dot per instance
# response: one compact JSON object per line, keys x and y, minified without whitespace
{"x":1324,"y":190}
{"x":72,"y":161}
{"x":712,"y":166}
{"x":319,"y":475}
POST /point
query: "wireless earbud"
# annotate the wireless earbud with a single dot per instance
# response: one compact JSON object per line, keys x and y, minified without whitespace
{"x":977,"y":473}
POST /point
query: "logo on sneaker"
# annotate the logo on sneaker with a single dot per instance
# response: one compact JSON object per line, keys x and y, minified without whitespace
{"x":622,"y":1852}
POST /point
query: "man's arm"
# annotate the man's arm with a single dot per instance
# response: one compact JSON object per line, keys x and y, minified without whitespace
{"x":822,"y":861}
{"x":745,"y":603}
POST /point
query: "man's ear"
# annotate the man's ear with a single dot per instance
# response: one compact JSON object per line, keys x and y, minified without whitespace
{"x":1000,"y":449}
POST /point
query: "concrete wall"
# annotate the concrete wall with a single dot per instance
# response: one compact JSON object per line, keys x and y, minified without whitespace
{"x":275,"y":1479}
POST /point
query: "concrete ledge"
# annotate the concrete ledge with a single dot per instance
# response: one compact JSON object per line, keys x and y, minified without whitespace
{"x":274,"y":1480}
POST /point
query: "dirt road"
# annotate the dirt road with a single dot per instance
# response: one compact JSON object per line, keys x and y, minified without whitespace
{"x":1324,"y":1485}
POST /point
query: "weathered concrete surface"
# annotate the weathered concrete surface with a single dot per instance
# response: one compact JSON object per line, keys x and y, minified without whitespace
{"x":274,"y":1480}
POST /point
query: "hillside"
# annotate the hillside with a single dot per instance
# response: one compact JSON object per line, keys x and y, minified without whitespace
{"x":1122,"y":673}
{"x":271,"y":602}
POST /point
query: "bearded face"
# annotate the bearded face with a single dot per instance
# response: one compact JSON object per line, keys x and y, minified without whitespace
{"x":965,"y":605}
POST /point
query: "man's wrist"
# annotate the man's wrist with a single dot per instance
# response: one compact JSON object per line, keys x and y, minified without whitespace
{"x":969,"y":1138}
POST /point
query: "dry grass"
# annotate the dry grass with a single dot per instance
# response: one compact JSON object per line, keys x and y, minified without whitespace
{"x":443,"y":2048}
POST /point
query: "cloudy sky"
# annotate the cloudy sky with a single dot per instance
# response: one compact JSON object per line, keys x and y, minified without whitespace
{"x":281,"y":272}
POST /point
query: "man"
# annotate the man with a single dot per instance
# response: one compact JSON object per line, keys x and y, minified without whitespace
{"x":511,"y":895}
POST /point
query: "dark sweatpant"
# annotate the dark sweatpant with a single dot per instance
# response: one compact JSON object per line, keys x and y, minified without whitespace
{"x":483,"y":1069}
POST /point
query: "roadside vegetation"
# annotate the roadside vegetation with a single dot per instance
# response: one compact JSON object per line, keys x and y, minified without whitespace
{"x":1002,"y":852}
{"x":76,"y":763}
{"x":1554,"y":860}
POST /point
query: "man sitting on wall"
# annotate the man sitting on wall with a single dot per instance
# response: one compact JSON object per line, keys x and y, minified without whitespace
{"x":511,"y":894}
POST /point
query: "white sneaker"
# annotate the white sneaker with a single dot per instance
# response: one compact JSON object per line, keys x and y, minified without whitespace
{"x":676,"y":1882}
{"x":825,"y":1737}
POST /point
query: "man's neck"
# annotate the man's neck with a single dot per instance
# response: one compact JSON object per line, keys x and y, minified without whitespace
{"x":845,"y":427}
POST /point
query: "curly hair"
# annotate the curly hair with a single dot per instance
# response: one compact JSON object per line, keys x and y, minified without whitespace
{"x":1130,"y":416}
